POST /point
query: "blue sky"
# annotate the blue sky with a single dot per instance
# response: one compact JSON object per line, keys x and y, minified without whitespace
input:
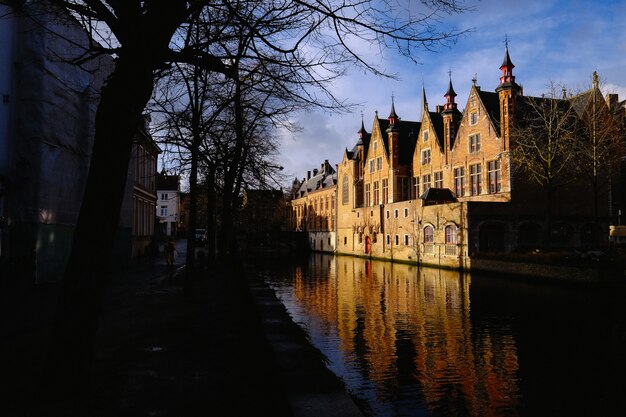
{"x":549,"y":40}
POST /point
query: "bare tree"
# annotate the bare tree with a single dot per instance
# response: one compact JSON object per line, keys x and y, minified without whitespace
{"x":602,"y":144}
{"x":542,"y":145}
{"x":146,"y":36}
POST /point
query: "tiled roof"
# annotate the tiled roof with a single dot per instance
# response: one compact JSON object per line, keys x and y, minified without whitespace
{"x":491,"y":101}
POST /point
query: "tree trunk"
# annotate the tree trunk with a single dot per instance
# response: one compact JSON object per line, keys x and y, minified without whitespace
{"x":547,"y":233}
{"x":67,"y":370}
{"x":193,"y":213}
{"x":210,"y":214}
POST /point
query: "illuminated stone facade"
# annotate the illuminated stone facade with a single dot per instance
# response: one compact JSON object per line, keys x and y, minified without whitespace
{"x":446,"y":188}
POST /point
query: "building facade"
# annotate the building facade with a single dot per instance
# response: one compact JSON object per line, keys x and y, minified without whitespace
{"x":144,"y":169}
{"x":447,"y":189}
{"x":47,"y":109}
{"x":168,"y":191}
{"x":313,"y":207}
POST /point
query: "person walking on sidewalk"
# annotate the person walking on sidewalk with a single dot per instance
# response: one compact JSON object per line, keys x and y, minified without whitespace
{"x":170,"y":249}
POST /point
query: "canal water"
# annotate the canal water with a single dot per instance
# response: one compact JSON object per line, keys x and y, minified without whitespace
{"x":412,"y":341}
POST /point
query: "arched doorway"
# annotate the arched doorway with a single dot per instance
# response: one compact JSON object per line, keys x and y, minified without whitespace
{"x":368,"y":245}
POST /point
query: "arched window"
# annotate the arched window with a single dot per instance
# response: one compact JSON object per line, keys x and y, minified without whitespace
{"x":451,"y":234}
{"x":344,"y":191}
{"x":429,"y":234}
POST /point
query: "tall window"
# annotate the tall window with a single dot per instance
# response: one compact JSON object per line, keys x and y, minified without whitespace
{"x":379,"y":163}
{"x":372,"y":165}
{"x":403,"y":189}
{"x":416,"y":186}
{"x":474,"y":143}
{"x":473,"y":118}
{"x":425,"y":183}
{"x":459,"y":181}
{"x":450,"y":234}
{"x":367,"y":195}
{"x":425,"y":136}
{"x":376,"y":201}
{"x":493,"y":171}
{"x":429,"y":234}
{"x":385,"y":191}
{"x":439,"y":179}
{"x":475,"y":179}
{"x":344,"y":191}
{"x":163,"y":211}
{"x":164,"y":196}
{"x":406,"y":240}
{"x":426,"y":157}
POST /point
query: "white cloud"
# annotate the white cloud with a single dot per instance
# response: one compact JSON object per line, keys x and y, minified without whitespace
{"x":549,"y":40}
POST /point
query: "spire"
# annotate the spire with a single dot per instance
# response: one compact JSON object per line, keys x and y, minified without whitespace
{"x":393,"y":117}
{"x":507,"y":60}
{"x":362,"y":132}
{"x":424,"y":100}
{"x":450,"y":94}
{"x":507,"y":66}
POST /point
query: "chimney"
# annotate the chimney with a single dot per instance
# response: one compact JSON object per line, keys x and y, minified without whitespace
{"x":315,"y":172}
{"x":439,"y":108}
{"x":308,"y":175}
{"x":611,"y":101}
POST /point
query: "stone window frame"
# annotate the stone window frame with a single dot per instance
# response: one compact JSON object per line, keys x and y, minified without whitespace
{"x":426,"y":156}
{"x":474,"y":143}
{"x":494,"y":176}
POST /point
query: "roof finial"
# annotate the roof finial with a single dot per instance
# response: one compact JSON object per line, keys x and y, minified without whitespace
{"x":506,"y":40}
{"x":475,"y":79}
{"x":596,"y":80}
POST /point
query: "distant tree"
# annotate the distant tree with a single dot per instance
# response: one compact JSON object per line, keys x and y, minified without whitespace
{"x":543,"y":143}
{"x":146,"y":36}
{"x":602,"y":145}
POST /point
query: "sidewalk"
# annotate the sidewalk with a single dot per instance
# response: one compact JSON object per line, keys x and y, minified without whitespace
{"x":229,"y":349}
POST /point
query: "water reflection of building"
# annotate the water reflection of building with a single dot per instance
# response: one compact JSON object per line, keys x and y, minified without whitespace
{"x":408,"y":330}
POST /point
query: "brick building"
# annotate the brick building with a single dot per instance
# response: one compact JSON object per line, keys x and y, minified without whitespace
{"x":447,"y":188}
{"x":313,"y":207}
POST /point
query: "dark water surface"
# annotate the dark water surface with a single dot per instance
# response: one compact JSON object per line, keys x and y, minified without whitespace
{"x":412,"y":341}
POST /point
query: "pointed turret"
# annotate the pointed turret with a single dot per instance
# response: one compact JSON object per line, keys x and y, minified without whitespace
{"x":393,"y":117}
{"x":507,"y":66}
{"x":451,"y":118}
{"x":362,"y":132}
{"x":450,"y":95}
{"x":507,"y":93}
